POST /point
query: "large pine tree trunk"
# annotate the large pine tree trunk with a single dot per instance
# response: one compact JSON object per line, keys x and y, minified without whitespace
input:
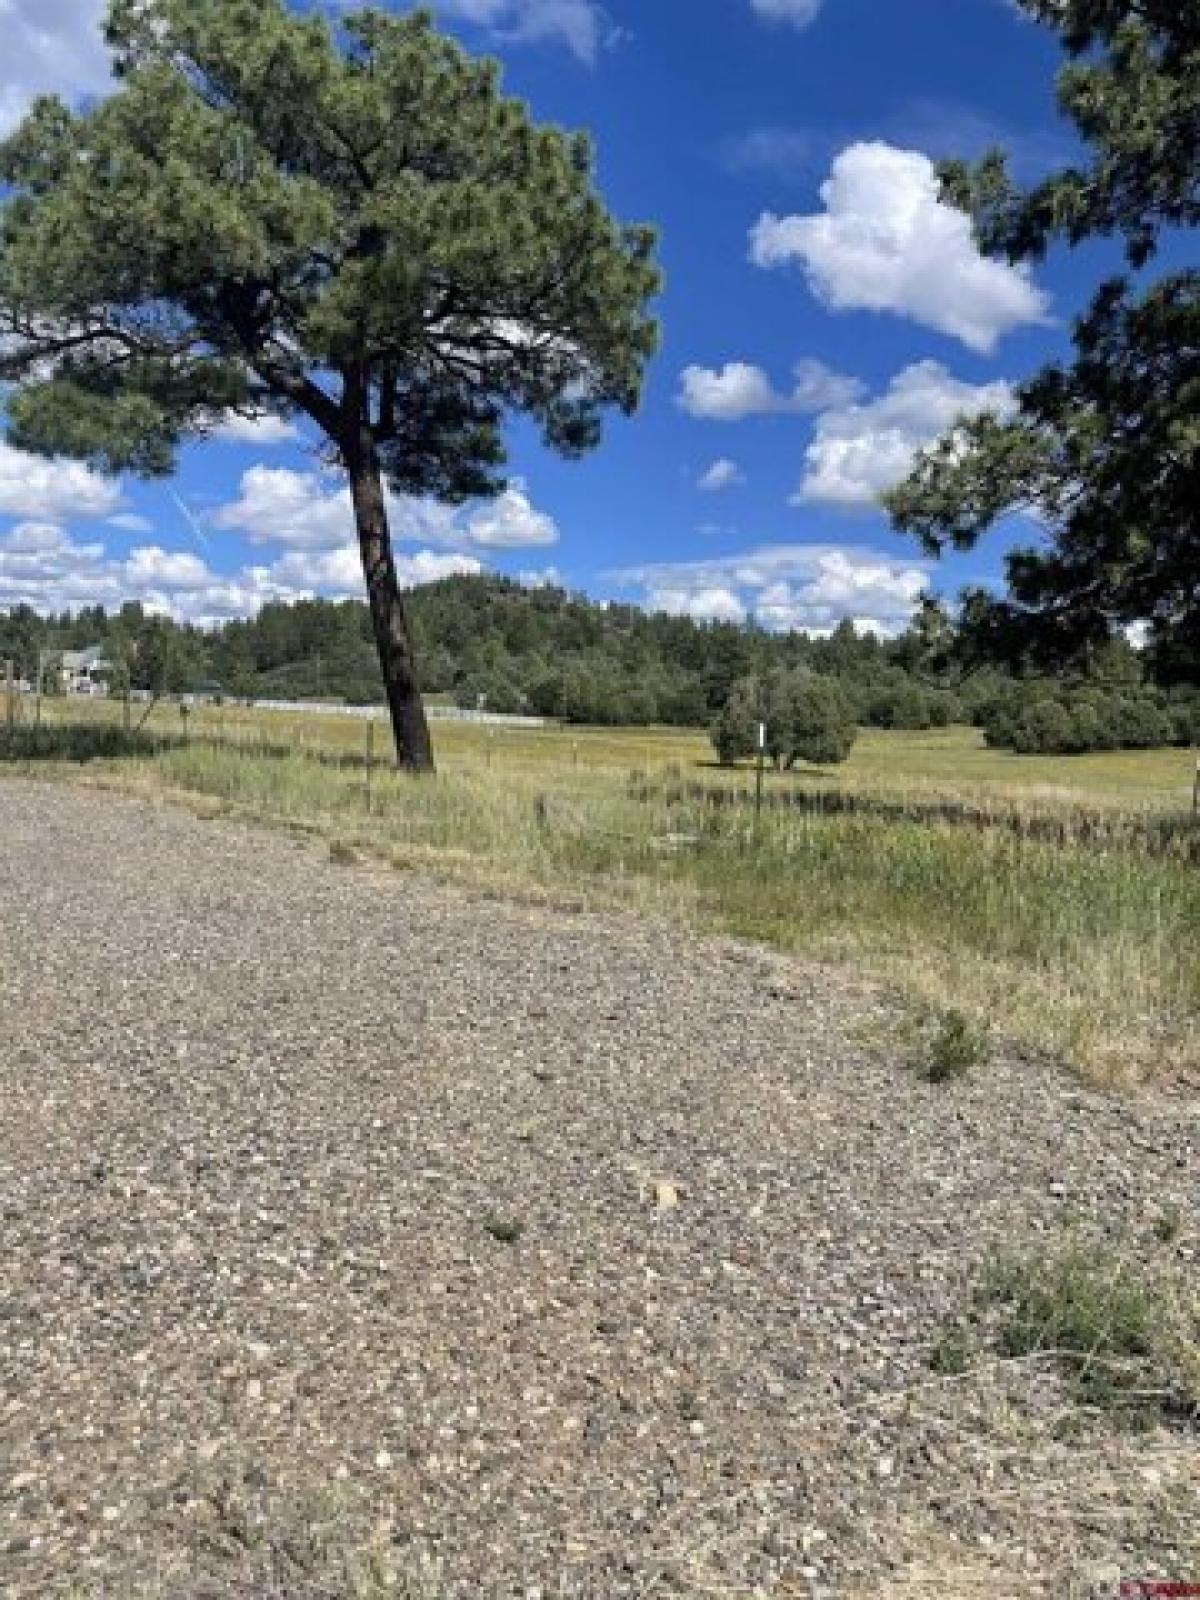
{"x":393,"y":636}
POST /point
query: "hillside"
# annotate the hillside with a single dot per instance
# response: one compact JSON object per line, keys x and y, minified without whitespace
{"x":489,"y":641}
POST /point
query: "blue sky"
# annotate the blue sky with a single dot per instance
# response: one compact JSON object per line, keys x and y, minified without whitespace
{"x":823,"y":316}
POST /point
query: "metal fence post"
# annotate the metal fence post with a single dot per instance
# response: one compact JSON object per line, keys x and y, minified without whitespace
{"x":758,"y":777}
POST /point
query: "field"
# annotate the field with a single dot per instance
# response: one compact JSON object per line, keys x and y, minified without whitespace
{"x":1054,"y":900}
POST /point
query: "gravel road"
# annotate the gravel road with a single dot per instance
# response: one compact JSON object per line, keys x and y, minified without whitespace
{"x":569,"y":1255}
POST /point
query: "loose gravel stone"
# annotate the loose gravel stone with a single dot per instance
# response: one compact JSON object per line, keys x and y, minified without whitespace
{"x":316,"y":1176}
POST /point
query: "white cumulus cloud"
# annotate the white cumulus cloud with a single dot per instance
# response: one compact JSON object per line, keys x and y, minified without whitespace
{"x":152,"y":567}
{"x":510,"y":522}
{"x":277,"y":505}
{"x":262,"y":432}
{"x":130,"y":522}
{"x":542,"y":578}
{"x":42,"y":566}
{"x":704,"y":603}
{"x":32,"y":486}
{"x":807,"y":588}
{"x":859,"y":451}
{"x":339,"y":572}
{"x":723,"y":474}
{"x":886,"y":242}
{"x":49,"y":46}
{"x":739,"y":389}
{"x":301,"y":511}
{"x":798,"y":12}
{"x":581,"y":25}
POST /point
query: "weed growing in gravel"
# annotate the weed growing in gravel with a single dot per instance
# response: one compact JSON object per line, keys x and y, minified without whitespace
{"x":247,"y":1543}
{"x":1124,"y":1341}
{"x":505,"y":1230}
{"x":951,"y":1047}
{"x":1168,"y":1225}
{"x":953,"y":1352}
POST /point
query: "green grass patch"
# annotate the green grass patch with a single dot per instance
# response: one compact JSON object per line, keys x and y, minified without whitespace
{"x":1126,"y":1341}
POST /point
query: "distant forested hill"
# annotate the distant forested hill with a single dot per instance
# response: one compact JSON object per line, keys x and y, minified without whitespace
{"x":492,"y":641}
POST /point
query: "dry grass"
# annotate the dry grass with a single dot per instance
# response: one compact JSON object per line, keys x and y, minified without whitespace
{"x":1087,"y":952}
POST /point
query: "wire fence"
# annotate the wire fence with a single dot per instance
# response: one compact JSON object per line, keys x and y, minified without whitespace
{"x":33,"y":730}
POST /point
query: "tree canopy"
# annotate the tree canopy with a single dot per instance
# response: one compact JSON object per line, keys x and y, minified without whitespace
{"x":1104,"y":450}
{"x":806,"y":716}
{"x":347,"y":224}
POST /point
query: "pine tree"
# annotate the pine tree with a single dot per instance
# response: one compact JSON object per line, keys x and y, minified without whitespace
{"x":350,"y":225}
{"x":1106,"y":448}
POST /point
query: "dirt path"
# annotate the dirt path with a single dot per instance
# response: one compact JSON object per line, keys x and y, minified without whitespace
{"x":271,"y":1124}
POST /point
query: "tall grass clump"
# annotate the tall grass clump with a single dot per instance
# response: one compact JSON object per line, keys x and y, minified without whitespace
{"x":1124,"y":1340}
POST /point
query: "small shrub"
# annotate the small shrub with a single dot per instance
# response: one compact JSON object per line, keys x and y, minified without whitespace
{"x":1047,"y":719}
{"x":505,"y":1230}
{"x":952,"y":1354}
{"x":1185,"y":722}
{"x":1045,"y":728}
{"x":1115,"y":1334}
{"x":1168,"y":1225}
{"x":951,"y":1047}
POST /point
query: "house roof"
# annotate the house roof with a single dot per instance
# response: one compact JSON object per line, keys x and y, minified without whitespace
{"x":80,"y":660}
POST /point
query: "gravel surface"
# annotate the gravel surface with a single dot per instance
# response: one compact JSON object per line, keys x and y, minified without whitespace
{"x":579,"y":1257}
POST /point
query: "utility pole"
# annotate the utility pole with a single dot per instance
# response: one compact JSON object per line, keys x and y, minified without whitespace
{"x":10,"y":715}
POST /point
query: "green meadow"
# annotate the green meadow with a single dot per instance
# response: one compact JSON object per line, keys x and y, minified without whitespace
{"x":924,"y":860}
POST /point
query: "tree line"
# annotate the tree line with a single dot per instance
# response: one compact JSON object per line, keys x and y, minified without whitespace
{"x":488,"y":642}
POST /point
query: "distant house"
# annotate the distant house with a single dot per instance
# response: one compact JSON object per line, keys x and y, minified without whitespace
{"x":85,"y":671}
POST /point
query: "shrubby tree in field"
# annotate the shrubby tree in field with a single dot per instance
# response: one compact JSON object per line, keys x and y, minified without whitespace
{"x":807,"y":716}
{"x":1107,"y":447}
{"x":345,"y":223}
{"x":817,"y":720}
{"x":1044,"y":727}
{"x":1045,"y":718}
{"x":735,"y":731}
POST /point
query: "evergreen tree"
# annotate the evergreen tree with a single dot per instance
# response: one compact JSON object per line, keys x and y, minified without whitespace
{"x":349,"y":225}
{"x":1107,"y":447}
